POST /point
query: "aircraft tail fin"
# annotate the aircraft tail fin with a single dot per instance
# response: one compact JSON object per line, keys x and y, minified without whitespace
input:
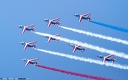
{"x":84,"y":49}
{"x":58,"y":23}
{"x":57,"y":39}
{"x":36,"y":64}
{"x":33,"y":29}
{"x":34,"y":46}
{"x":113,"y":59}
{"x":89,"y":18}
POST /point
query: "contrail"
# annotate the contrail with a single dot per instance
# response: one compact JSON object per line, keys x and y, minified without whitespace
{"x":110,"y":26}
{"x":84,"y":59}
{"x":96,"y":35}
{"x":97,"y":48}
{"x":73,"y":73}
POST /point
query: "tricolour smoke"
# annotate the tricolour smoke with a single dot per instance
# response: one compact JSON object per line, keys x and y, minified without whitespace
{"x":111,"y":26}
{"x":74,"y":73}
{"x":96,"y":35}
{"x":84,"y":59}
{"x":97,"y":48}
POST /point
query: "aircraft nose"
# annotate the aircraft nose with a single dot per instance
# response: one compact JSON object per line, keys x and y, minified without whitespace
{"x":45,"y":19}
{"x":22,"y":43}
{"x":24,"y":59}
{"x":75,"y":14}
{"x":20,"y":26}
{"x":97,"y":55}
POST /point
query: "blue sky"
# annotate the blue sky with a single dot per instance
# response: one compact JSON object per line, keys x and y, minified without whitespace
{"x":22,"y":12}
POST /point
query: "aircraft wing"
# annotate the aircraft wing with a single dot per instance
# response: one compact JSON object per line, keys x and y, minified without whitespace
{"x":32,"y":42}
{"x":32,"y":25}
{"x":50,"y":22}
{"x":109,"y":56}
{"x":76,"y":47}
{"x":25,"y":46}
{"x":80,"y":18}
{"x":55,"y":19}
{"x":24,"y":29}
{"x":86,"y":14}
{"x":104,"y":60}
{"x":34,"y":59}
{"x":27,"y":63}
{"x":49,"y":39}
{"x":28,"y":26}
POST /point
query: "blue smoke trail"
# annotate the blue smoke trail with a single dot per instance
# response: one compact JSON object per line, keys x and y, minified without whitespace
{"x":110,"y":26}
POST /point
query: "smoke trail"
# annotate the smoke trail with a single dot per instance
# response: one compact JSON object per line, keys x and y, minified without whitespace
{"x":84,"y":59}
{"x":96,"y":35}
{"x":73,"y":73}
{"x":97,"y":48}
{"x":110,"y":26}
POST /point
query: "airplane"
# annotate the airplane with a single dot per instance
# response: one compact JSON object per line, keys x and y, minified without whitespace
{"x":77,"y":47}
{"x":28,"y":28}
{"x":106,"y":58}
{"x":82,"y":16}
{"x":53,"y":21}
{"x":30,"y":61}
{"x":29,"y":44}
{"x":50,"y":38}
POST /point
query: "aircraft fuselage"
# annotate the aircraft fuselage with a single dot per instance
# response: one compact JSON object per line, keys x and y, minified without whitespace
{"x":33,"y":62}
{"x":29,"y":29}
{"x":106,"y":59}
{"x":31,"y":45}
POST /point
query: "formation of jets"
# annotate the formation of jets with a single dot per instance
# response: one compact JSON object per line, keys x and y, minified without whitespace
{"x":57,"y":22}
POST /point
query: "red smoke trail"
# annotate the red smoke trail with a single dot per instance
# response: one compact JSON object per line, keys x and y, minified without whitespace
{"x":74,"y":73}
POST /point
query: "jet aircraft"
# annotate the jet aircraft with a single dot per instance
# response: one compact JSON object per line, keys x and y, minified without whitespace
{"x":51,"y":38}
{"x":30,"y":61}
{"x":28,"y":28}
{"x":29,"y":44}
{"x":53,"y":21}
{"x":83,"y":16}
{"x":76,"y":47}
{"x":106,"y":58}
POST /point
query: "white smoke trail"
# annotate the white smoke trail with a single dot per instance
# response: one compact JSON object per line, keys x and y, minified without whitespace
{"x":97,"y":48}
{"x":84,"y":59}
{"x":96,"y":35}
